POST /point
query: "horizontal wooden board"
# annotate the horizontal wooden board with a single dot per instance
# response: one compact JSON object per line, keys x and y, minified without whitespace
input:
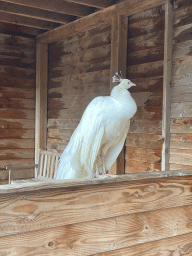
{"x":182,"y":49}
{"x":182,"y":13}
{"x":17,"y":174}
{"x":132,"y":166}
{"x":146,"y":56}
{"x":16,"y":82}
{"x":177,"y":245}
{"x":181,"y":141}
{"x":101,"y":235}
{"x":148,"y":84}
{"x":181,"y":156}
{"x":148,"y":98}
{"x":13,"y":61}
{"x":17,"y":103}
{"x":145,"y":126}
{"x":63,"y":134}
{"x":11,"y":113}
{"x":181,"y":125}
{"x":9,"y":92}
{"x":181,"y":93}
{"x":101,"y":76}
{"x":148,"y":41}
{"x":17,"y":143}
{"x":181,"y":110}
{"x":183,"y":33}
{"x":182,"y":65}
{"x":143,"y":155}
{"x":63,"y":123}
{"x":58,"y":207}
{"x":17,"y":72}
{"x":181,"y":79}
{"x":149,"y":141}
{"x":82,"y":56}
{"x":17,"y":133}
{"x":147,"y":25}
{"x":180,"y":167}
{"x":151,"y":69}
{"x":17,"y":123}
{"x":16,"y":162}
{"x":17,"y":154}
{"x":56,"y":144}
{"x":148,"y":112}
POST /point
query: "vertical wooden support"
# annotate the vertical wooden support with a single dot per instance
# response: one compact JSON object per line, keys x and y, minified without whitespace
{"x":168,"y":41}
{"x":119,"y":32}
{"x":41,"y":98}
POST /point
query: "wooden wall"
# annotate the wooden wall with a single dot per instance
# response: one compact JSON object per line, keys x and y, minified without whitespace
{"x":17,"y":102}
{"x":79,"y":68}
{"x":129,"y":218}
{"x":181,"y":87}
{"x":145,"y":68}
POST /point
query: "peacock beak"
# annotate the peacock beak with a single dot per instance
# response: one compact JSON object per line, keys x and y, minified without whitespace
{"x":133,"y":84}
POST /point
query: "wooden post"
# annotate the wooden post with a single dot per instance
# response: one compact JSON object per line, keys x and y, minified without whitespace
{"x":41,"y":98}
{"x":119,"y":33}
{"x":168,"y":41}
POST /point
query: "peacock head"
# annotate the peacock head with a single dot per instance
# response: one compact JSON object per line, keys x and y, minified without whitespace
{"x":123,"y":83}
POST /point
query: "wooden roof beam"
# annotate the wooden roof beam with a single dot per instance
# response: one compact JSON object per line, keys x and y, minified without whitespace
{"x":95,"y":3}
{"x":127,"y":8}
{"x":27,"y":21}
{"x":56,"y":6}
{"x":35,"y":13}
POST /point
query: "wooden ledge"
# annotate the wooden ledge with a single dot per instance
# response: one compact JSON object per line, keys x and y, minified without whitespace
{"x":56,"y":184}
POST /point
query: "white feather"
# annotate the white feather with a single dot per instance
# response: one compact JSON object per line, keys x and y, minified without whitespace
{"x":100,"y":135}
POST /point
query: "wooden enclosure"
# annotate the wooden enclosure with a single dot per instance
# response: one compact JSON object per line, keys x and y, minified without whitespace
{"x":54,"y":59}
{"x":147,"y":214}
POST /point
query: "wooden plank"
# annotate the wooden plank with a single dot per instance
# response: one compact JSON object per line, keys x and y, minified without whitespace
{"x":148,"y":113}
{"x":107,"y":200}
{"x":166,"y":84}
{"x":145,"y":70}
{"x":17,"y":124}
{"x":146,"y":126}
{"x":182,"y":65}
{"x":181,"y":156}
{"x":180,"y":125}
{"x":7,"y":113}
{"x":17,"y":82}
{"x":97,"y":19}
{"x":181,"y":79}
{"x":181,"y":93}
{"x":177,"y":245}
{"x":17,"y":72}
{"x":150,"y":156}
{"x":17,"y":103}
{"x":135,"y":167}
{"x":101,"y":235}
{"x":19,"y":174}
{"x":41,"y":98}
{"x":148,"y":84}
{"x":16,"y":154}
{"x":16,"y":162}
{"x":119,"y":32}
{"x":35,"y":12}
{"x":17,"y":143}
{"x":27,"y":21}
{"x":182,"y":13}
{"x":150,"y":141}
{"x":58,"y":6}
{"x":181,"y":110}
{"x":148,"y":98}
{"x":181,"y":141}
{"x":95,"y":3}
{"x":19,"y":93}
{"x":17,"y":133}
{"x":179,"y":167}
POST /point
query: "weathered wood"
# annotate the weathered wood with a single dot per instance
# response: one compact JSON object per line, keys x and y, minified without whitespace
{"x":141,"y":225}
{"x":181,"y":156}
{"x":17,"y":143}
{"x":150,"y":141}
{"x":146,"y":126}
{"x":17,"y":133}
{"x":37,"y":13}
{"x":126,"y":8}
{"x":177,"y":245}
{"x":181,"y":125}
{"x":41,"y":98}
{"x":181,"y":141}
{"x":132,"y":166}
{"x":181,"y":93}
{"x":166,"y":85}
{"x":181,"y":110}
{"x":95,"y":3}
{"x":58,"y":6}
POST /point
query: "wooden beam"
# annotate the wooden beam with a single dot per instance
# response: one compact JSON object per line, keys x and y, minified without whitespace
{"x":35,"y":13}
{"x":27,"y":21}
{"x":95,"y":3}
{"x":57,"y":6}
{"x":127,"y":8}
{"x":41,"y":98}
{"x":119,"y":32}
{"x":168,"y":41}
